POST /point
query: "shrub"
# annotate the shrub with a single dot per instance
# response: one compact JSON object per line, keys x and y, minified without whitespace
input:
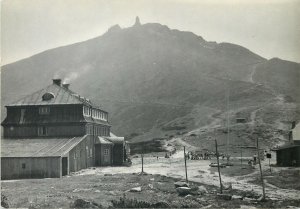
{"x":124,"y":202}
{"x":4,"y":201}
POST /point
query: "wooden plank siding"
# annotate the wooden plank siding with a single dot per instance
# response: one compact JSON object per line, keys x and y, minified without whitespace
{"x":83,"y":155}
{"x":285,"y":157}
{"x":30,"y":167}
{"x":99,"y":155}
{"x":52,"y":131}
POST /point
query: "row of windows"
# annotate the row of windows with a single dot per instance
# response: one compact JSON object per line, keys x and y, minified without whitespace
{"x":97,"y":130}
{"x":97,"y":114}
{"x":44,"y":110}
{"x":100,"y":131}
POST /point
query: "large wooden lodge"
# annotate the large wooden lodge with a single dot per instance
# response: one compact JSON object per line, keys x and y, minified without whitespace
{"x":53,"y":132}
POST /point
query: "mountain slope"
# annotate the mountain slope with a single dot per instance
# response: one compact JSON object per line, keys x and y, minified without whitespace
{"x":151,"y":78}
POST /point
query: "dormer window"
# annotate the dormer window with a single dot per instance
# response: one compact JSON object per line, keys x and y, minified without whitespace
{"x":44,"y":110}
{"x":47,"y":96}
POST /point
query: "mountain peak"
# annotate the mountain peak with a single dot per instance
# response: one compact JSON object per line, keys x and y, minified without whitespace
{"x":137,"y":21}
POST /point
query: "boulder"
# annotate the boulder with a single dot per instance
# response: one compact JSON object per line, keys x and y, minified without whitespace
{"x":183,"y":190}
{"x":181,"y":184}
{"x":247,"y":199}
{"x":237,"y":197}
{"x":188,"y":196}
{"x":136,"y":189}
{"x":202,"y":190}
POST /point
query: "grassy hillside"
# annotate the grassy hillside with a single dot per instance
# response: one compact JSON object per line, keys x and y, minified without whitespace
{"x":150,"y":78}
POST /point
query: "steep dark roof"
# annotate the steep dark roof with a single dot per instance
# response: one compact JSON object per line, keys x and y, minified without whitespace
{"x":61,"y":94}
{"x":43,"y":147}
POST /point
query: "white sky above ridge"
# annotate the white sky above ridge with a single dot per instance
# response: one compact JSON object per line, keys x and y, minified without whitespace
{"x":270,"y":28}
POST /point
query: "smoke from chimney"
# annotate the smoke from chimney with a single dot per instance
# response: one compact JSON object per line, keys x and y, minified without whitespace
{"x":66,"y":85}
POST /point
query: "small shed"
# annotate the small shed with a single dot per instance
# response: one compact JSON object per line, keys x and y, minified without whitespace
{"x":104,"y":152}
{"x":288,"y":155}
{"x":45,"y":157}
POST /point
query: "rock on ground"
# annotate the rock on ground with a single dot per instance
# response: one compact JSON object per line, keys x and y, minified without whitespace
{"x":202,"y":190}
{"x":183,"y":190}
{"x":181,"y":184}
{"x":136,"y":189}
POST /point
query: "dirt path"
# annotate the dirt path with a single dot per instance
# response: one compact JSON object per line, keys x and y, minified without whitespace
{"x":198,"y":171}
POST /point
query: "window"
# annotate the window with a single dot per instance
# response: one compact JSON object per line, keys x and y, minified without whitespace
{"x":91,"y":152}
{"x":44,"y":110}
{"x":23,"y":165}
{"x":106,"y":152}
{"x":75,"y":155}
{"x":47,"y":96}
{"x":42,"y":131}
{"x":87,"y":111}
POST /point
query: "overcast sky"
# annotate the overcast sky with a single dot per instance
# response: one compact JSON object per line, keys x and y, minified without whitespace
{"x":270,"y":28}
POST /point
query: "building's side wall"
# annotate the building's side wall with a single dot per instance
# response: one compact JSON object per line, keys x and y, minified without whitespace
{"x":285,"y":157}
{"x":296,"y":155}
{"x":83,"y":155}
{"x":52,"y":131}
{"x":118,"y":154}
{"x":62,"y":120}
{"x":30,"y":167}
{"x":97,"y":155}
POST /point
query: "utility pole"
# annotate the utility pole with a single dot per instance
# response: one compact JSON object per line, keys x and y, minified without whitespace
{"x":241,"y":157}
{"x":217,"y":154}
{"x":142,"y":156}
{"x":186,"y":177}
{"x":261,"y":173}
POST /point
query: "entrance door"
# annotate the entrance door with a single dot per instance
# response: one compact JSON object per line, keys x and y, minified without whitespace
{"x":106,"y":156}
{"x":64,"y":166}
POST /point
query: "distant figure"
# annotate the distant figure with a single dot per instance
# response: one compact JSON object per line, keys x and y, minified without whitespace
{"x":156,"y":157}
{"x":228,"y":157}
{"x":250,"y":162}
{"x":294,"y":162}
{"x":254,"y":159}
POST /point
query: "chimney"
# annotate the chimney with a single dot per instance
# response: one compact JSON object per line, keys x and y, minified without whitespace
{"x":57,"y":81}
{"x":66,"y":85}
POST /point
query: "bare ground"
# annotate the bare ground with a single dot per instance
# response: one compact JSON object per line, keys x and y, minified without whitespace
{"x":101,"y":186}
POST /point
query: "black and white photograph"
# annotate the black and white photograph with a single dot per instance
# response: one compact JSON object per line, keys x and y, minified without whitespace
{"x":150,"y":104}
